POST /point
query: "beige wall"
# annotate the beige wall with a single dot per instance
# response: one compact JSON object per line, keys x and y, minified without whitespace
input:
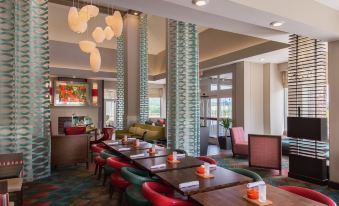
{"x":333,"y":76}
{"x":273,"y":100}
{"x":258,"y":98}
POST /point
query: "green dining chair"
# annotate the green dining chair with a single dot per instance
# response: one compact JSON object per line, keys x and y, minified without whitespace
{"x":107,"y":169}
{"x":247,"y":173}
{"x":136,"y":177}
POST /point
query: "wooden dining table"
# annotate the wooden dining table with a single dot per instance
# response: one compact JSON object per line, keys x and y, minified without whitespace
{"x":222,"y":178}
{"x":185,"y":162}
{"x":160,"y":152}
{"x":232,"y":196}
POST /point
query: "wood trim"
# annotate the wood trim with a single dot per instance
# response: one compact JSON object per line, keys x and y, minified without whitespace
{"x":279,"y":150}
{"x":102,"y":9}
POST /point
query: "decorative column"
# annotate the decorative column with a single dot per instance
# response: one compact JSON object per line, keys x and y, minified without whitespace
{"x":143,"y":79}
{"x":24,"y":83}
{"x":120,"y":65}
{"x":307,"y":109}
{"x":183,"y":98}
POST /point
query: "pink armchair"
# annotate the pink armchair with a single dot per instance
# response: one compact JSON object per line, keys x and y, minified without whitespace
{"x":239,"y":143}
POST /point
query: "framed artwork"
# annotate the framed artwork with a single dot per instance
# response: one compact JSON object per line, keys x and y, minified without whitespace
{"x":71,"y":93}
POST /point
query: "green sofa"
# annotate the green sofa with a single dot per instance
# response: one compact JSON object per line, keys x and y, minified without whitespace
{"x":146,"y":132}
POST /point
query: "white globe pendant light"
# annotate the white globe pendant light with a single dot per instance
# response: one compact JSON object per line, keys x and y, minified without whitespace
{"x":84,"y":14}
{"x":95,"y":60}
{"x":117,"y":23}
{"x":109,"y":20}
{"x":87,"y":46}
{"x":98,"y":35}
{"x":108,"y":33}
{"x":73,"y":18}
{"x":93,"y":11}
{"x":81,"y":26}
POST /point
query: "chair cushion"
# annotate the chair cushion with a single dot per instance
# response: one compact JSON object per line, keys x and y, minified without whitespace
{"x":14,"y":184}
{"x":132,"y":130}
{"x":135,"y":197}
{"x":107,"y":153}
{"x":109,"y":170}
{"x":241,"y":148}
{"x":118,"y":181}
{"x":140,"y":131}
{"x":100,"y":161}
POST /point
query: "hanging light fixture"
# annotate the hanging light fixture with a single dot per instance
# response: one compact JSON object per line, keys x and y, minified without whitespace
{"x":98,"y":35}
{"x":95,"y":60}
{"x":73,"y":18}
{"x":108,"y":33}
{"x":88,"y":11}
{"x":116,"y":23}
{"x":87,"y":46}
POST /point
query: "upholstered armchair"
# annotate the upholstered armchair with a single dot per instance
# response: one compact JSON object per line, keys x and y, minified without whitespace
{"x":239,"y":143}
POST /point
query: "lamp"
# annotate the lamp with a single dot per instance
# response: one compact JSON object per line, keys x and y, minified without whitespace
{"x":87,"y":46}
{"x":115,"y":22}
{"x":108,"y":33}
{"x":95,"y":60}
{"x":73,"y":18}
{"x":98,"y":35}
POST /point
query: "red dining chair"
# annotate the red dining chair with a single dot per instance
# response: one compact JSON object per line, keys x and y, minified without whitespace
{"x":116,"y":179}
{"x":310,"y":194}
{"x":207,"y":159}
{"x":97,"y":146}
{"x":161,"y":195}
{"x":239,"y":143}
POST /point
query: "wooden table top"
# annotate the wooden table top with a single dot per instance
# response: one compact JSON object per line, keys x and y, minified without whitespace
{"x":222,"y":178}
{"x":11,"y":171}
{"x":234,"y":196}
{"x":160,"y":153}
{"x":185,"y":162}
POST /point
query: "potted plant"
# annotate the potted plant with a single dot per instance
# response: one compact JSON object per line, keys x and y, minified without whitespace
{"x":226,"y":124}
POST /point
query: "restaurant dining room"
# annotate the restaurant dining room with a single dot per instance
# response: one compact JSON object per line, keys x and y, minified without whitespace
{"x":169,"y":103}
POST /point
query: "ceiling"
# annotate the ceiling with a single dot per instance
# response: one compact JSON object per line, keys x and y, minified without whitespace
{"x":334,"y":4}
{"x":250,"y":17}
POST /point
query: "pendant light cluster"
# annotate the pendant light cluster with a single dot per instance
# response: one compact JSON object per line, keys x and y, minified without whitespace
{"x":78,"y":22}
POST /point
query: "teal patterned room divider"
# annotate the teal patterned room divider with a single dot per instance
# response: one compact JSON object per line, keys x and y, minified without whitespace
{"x":24,"y":82}
{"x":183,"y":98}
{"x":143,"y":81}
{"x":120,"y":65}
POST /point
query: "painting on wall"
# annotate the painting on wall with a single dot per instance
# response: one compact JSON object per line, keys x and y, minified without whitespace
{"x":70,"y":93}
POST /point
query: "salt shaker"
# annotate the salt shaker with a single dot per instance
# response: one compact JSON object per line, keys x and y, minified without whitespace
{"x":174,"y":156}
{"x":262,"y":193}
{"x":207,"y":169}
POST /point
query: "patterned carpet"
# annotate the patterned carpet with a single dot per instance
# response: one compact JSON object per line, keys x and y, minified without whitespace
{"x":76,"y":186}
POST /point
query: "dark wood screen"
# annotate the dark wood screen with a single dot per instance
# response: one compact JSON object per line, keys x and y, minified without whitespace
{"x":307,"y":81}
{"x":307,"y":108}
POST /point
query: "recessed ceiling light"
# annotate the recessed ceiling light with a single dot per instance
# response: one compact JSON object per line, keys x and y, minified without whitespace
{"x":277,"y":23}
{"x":200,"y":2}
{"x":262,"y":59}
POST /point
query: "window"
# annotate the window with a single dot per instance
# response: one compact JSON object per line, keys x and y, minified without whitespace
{"x":214,"y":87}
{"x":225,"y":86}
{"x":110,"y":107}
{"x":154,"y":107}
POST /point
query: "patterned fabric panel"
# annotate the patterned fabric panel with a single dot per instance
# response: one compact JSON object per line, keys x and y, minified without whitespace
{"x":143,"y":81}
{"x":183,"y":98}
{"x":24,"y":82}
{"x":120,"y":61}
